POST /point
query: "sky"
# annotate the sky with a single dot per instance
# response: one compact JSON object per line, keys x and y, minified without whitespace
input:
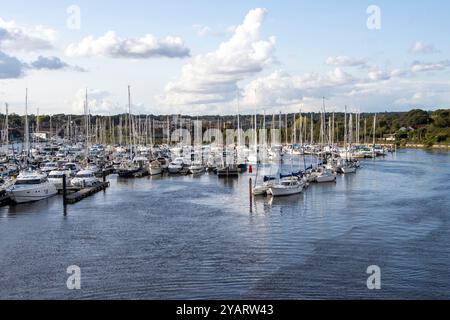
{"x":224,"y":57}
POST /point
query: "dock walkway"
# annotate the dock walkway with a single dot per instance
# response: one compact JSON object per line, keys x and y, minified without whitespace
{"x":77,"y":196}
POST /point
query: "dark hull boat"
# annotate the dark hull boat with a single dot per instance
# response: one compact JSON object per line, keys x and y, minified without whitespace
{"x":130,"y":173}
{"x":228,"y":171}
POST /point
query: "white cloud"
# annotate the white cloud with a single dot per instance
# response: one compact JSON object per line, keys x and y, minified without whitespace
{"x":418,"y":66}
{"x":420,"y":48}
{"x":426,"y":96}
{"x":204,"y":31}
{"x":282,"y":89}
{"x":375,"y":74}
{"x":231,"y":29}
{"x":23,"y":38}
{"x":99,"y":102}
{"x":213,"y":77}
{"x":201,"y":30}
{"x":103,"y":102}
{"x":345,"y":61}
{"x":110,"y":45}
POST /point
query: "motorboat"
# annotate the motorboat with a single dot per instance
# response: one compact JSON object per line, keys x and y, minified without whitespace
{"x":84,"y":178}
{"x":128,"y":170}
{"x":154,"y":168}
{"x":176,"y":166}
{"x":73,"y":168}
{"x":30,"y":187}
{"x":48,"y":167}
{"x":196,"y":168}
{"x":56,"y":177}
{"x":164,"y":162}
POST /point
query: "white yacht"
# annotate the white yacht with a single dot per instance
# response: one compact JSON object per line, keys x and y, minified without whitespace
{"x":196,"y":168}
{"x":176,"y":166}
{"x":84,"y":178}
{"x":94,"y":168}
{"x":286,"y":187}
{"x":154,"y":168}
{"x":31,"y":186}
{"x":72,"y":167}
{"x":48,"y":167}
{"x":56,"y":177}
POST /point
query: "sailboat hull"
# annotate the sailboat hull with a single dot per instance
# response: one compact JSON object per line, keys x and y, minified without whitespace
{"x":281,"y":191}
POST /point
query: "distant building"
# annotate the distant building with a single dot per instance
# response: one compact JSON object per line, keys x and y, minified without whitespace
{"x":39,"y":135}
{"x":389,"y":137}
{"x":403,"y":129}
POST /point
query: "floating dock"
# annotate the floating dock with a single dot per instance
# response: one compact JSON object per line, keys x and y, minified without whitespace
{"x":81,"y":194}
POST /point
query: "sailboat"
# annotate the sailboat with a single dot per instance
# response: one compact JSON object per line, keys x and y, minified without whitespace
{"x":348,"y":165}
{"x":325,"y":175}
{"x":287,"y":186}
{"x":130,"y":168}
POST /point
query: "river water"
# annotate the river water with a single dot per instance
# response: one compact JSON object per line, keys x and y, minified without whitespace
{"x":195,"y":238}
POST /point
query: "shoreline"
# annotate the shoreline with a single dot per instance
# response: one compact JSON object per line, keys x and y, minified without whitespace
{"x":422,"y":146}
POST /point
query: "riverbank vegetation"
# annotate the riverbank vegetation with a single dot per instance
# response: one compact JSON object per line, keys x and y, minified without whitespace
{"x":417,"y":126}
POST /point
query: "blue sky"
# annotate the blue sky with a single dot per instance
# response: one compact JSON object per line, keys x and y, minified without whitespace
{"x":189,"y":57}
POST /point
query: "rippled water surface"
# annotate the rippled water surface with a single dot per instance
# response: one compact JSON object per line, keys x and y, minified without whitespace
{"x":194,"y":237}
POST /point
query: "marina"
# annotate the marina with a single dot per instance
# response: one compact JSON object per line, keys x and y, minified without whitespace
{"x":224,"y":155}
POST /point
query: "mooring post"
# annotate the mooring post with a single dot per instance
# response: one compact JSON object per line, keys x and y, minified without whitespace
{"x":104,"y":175}
{"x":250,"y":190}
{"x":64,"y":190}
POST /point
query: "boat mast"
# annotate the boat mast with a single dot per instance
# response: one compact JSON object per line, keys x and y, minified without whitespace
{"x":7,"y":127}
{"x":264,"y":130}
{"x":345,"y":132}
{"x":256,"y":133}
{"x":37,"y":121}
{"x":300,"y":128}
{"x":27,"y":136}
{"x":131,"y":123}
{"x":286,"y":128}
{"x":238,"y":122}
{"x":272,"y":130}
{"x":374,"y":127}
{"x":86,"y":114}
{"x":295,"y":129}
{"x":332,"y":129}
